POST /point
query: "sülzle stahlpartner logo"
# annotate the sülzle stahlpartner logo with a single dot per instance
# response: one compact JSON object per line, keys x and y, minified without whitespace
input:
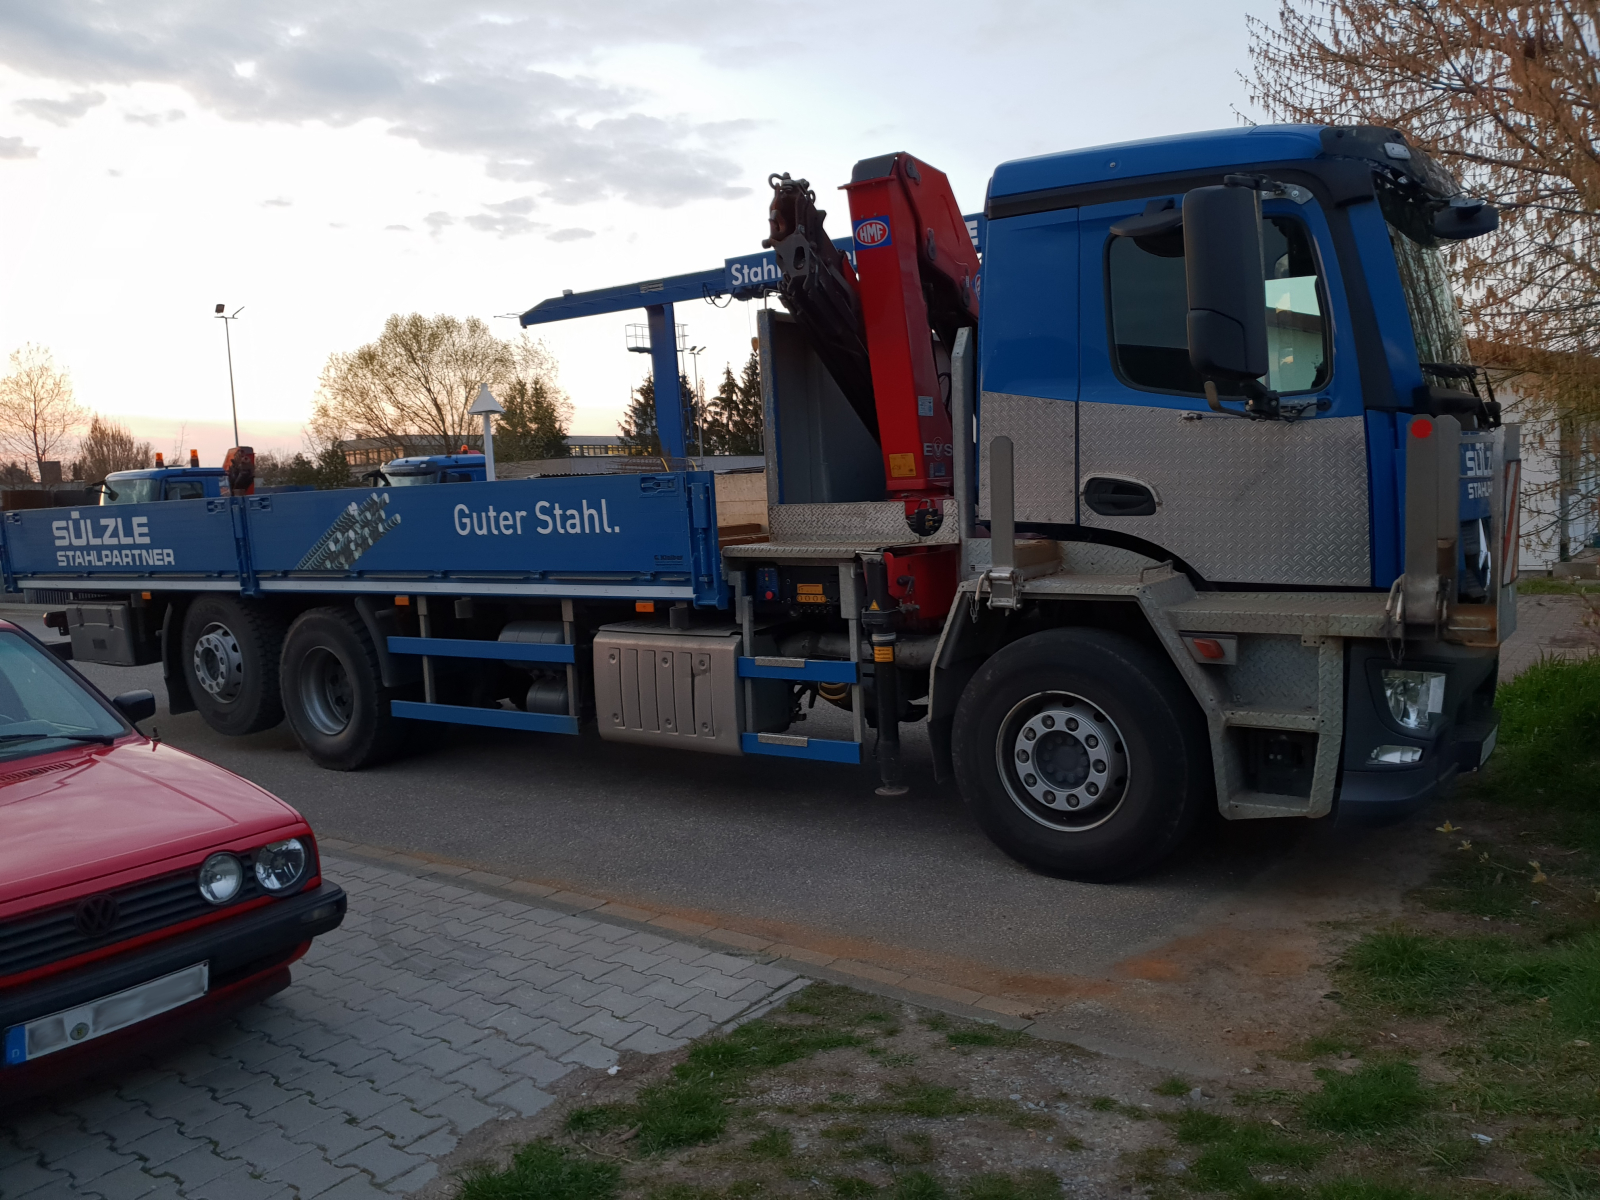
{"x":106,"y":533}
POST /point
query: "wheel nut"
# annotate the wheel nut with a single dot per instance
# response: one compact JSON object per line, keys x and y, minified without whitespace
{"x":1049,"y":797}
{"x":1091,"y":741}
{"x":1048,"y":722}
{"x":1072,"y":800}
{"x":1022,"y":756}
{"x":1030,"y":780}
{"x":1093,"y":789}
{"x":1029,"y":734}
{"x":1100,"y":766}
{"x":1072,"y":724}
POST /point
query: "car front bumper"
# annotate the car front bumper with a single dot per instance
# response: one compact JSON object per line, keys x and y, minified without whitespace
{"x":246,"y":953}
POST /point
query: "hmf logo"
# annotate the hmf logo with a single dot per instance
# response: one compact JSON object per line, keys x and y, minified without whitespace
{"x":872,"y":231}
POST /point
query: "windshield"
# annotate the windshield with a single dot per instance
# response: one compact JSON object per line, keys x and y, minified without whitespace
{"x":398,"y":480}
{"x":42,"y":707}
{"x":1430,"y":301}
{"x":129,"y":491}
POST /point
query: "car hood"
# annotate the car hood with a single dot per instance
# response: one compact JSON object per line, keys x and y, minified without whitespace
{"x":81,"y":814}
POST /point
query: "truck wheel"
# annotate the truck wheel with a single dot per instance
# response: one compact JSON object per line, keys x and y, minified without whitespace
{"x":230,"y":651}
{"x":334,"y":693}
{"x":1082,"y":754}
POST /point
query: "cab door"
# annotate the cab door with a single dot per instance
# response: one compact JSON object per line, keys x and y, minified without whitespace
{"x":1281,"y":502}
{"x":1028,"y":347}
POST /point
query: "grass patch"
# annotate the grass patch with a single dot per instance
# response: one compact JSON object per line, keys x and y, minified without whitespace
{"x":1173,"y":1085}
{"x":546,"y":1171}
{"x":690,"y":1107}
{"x":1377,"y":1096}
{"x":1556,"y":587}
{"x":1549,"y":746}
{"x":1231,"y":1150}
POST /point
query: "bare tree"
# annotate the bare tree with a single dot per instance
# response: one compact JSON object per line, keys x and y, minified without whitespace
{"x":418,"y":377}
{"x":38,"y":414}
{"x":108,"y":447}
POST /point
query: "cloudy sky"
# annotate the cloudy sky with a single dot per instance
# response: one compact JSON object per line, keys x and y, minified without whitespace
{"x":326,"y":163}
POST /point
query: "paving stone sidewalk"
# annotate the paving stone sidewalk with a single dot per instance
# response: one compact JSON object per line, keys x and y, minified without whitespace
{"x":431,"y":1011}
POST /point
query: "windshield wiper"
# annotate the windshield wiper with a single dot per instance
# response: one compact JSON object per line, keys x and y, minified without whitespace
{"x":104,"y":739}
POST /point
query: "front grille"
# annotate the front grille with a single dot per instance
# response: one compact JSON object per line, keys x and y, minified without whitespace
{"x":53,"y":934}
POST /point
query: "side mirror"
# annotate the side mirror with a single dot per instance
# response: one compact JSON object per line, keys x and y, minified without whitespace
{"x":1222,"y":266}
{"x":1458,"y":222}
{"x":135,"y":706}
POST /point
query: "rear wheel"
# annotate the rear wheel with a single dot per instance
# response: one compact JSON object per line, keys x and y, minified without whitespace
{"x":333,"y":691}
{"x":1082,"y":753}
{"x":230,"y":650}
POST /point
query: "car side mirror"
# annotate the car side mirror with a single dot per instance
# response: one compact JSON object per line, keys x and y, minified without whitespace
{"x":135,"y":706}
{"x":1227,"y":320}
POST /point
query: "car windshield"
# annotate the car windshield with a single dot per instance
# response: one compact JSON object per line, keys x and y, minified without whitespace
{"x":42,"y":707}
{"x":411,"y":479}
{"x":129,"y":491}
{"x":1430,"y":300}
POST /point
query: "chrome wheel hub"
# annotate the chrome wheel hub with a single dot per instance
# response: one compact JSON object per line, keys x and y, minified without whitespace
{"x":1063,"y":761}
{"x":218,"y":663}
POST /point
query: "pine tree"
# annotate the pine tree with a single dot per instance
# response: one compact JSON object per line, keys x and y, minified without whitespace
{"x":638,"y":424}
{"x":734,"y":416}
{"x":533,"y":425}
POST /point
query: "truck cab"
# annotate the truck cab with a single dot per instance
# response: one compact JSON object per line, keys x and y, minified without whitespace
{"x":163,"y":483}
{"x":433,"y":468}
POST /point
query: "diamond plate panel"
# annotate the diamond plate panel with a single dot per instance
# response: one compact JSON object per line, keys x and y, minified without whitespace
{"x":862,"y":522}
{"x":1242,"y":501}
{"x":1041,"y":433}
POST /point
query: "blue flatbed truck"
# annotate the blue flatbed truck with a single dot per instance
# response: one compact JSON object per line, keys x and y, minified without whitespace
{"x":1203,"y":504}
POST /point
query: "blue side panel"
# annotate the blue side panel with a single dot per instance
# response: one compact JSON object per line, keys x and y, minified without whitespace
{"x":818,"y":749}
{"x":820,"y":670}
{"x":1028,"y":333}
{"x":166,"y":539}
{"x":585,"y":534}
{"x":1386,"y":477}
{"x":497,"y":651}
{"x":492,"y":718}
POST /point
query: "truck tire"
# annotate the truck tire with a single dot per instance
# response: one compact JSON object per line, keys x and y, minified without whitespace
{"x":230,"y":659}
{"x":333,"y":691}
{"x":1081,"y":753}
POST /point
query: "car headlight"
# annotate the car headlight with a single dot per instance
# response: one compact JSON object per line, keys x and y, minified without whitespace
{"x":221,"y":877}
{"x":281,"y":865}
{"x":1413,"y":696}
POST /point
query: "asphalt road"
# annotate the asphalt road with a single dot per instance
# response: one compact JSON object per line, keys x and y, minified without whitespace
{"x":802,"y":850}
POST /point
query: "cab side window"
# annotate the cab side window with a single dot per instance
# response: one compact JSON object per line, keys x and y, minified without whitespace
{"x":1149,"y":310}
{"x":185,"y":489}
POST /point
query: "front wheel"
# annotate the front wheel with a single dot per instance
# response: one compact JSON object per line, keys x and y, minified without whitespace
{"x":1082,"y":753}
{"x":333,"y":692}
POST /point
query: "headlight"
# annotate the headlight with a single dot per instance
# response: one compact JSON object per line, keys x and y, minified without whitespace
{"x":221,"y":877}
{"x":281,"y":865}
{"x":1413,"y":696}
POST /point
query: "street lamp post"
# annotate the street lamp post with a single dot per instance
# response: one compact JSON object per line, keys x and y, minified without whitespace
{"x":699,"y":400}
{"x":233,"y":397}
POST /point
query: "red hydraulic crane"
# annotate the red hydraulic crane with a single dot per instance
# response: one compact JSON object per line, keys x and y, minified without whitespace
{"x":884,"y":328}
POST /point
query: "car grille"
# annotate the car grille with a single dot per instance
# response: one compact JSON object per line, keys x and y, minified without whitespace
{"x":53,"y":934}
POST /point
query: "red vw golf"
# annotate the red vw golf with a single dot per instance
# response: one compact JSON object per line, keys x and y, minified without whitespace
{"x":141,"y":888}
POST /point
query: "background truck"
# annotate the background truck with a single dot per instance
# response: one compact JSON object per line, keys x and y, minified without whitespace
{"x":1165,"y":482}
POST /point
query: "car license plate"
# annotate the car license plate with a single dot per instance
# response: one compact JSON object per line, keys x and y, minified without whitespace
{"x":46,"y":1035}
{"x":1488,"y":745}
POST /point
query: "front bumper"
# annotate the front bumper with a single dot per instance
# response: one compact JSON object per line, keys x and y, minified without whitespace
{"x":241,"y":950}
{"x":1457,"y":743}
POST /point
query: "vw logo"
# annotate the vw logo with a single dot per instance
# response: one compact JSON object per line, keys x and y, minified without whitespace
{"x":96,"y":915}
